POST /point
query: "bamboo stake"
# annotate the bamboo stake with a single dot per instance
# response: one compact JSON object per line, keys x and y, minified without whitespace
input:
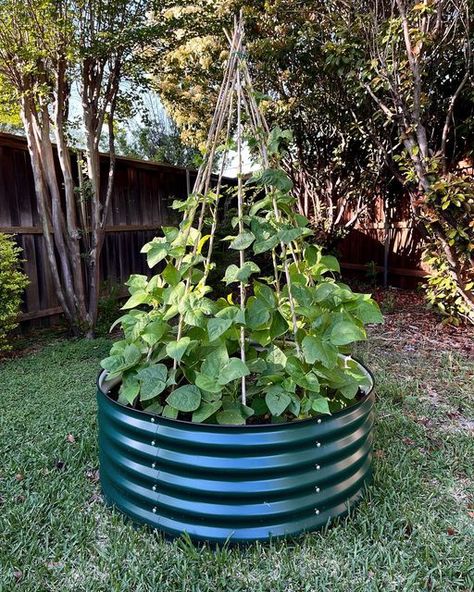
{"x":240,"y":209}
{"x":202,"y":183}
{"x":258,"y":116}
{"x":236,"y":85}
{"x":218,"y":191}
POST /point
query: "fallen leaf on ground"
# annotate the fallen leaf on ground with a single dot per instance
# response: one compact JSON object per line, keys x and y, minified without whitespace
{"x":93,"y":475}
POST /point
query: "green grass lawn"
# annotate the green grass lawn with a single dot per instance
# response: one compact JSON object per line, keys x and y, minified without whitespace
{"x":413,"y":531}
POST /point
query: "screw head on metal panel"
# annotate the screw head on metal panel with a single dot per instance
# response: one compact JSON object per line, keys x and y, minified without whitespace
{"x":317,"y":467}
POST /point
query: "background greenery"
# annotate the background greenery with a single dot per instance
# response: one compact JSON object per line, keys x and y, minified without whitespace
{"x":379,"y":98}
{"x":12,"y":284}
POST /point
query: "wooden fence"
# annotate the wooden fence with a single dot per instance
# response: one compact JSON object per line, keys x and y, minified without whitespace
{"x":141,"y":203}
{"x":385,"y":242}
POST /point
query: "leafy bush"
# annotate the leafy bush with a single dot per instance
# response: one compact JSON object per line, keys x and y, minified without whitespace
{"x":182,"y":356}
{"x":12,"y":284}
{"x":450,"y":248}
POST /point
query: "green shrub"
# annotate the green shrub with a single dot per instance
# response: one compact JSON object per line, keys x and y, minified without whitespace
{"x":12,"y":284}
{"x":450,"y":247}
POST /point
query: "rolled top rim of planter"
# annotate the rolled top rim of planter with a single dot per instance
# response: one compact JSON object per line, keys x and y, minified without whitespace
{"x":104,"y":388}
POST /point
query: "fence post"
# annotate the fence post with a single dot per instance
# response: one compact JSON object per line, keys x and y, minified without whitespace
{"x":386,"y":210}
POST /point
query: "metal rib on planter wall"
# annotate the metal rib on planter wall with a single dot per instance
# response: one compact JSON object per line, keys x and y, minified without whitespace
{"x":242,"y":483}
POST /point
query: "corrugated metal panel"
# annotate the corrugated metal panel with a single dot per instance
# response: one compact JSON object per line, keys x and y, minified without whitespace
{"x":242,"y":483}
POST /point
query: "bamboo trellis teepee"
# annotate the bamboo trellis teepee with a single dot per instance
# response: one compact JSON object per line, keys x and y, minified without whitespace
{"x":277,"y":346}
{"x":236,"y":110}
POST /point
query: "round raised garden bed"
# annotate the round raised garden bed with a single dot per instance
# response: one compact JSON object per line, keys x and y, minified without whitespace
{"x":237,"y":483}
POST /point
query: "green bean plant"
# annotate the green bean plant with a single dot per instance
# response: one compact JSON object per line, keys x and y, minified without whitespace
{"x":277,"y":347}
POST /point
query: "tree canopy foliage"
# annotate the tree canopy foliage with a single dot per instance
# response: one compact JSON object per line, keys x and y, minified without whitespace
{"x":372,"y":91}
{"x":417,"y":67}
{"x":153,"y":135}
{"x":336,"y":167}
{"x":46,"y":47}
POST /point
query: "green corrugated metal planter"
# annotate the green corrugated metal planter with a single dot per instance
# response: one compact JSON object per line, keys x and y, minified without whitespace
{"x":238,"y":483}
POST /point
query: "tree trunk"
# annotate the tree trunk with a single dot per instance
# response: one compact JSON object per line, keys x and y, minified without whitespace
{"x":93,"y":259}
{"x":73,"y":234}
{"x":45,"y":210}
{"x":61,"y":235}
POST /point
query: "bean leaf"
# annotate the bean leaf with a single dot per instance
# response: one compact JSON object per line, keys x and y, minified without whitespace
{"x":206,"y":410}
{"x":234,"y":369}
{"x":152,"y":381}
{"x":176,"y":349}
{"x":321,"y":405}
{"x":279,"y":325}
{"x":216,"y":327}
{"x":207,"y":383}
{"x":186,"y":398}
{"x":317,"y":349}
{"x":136,"y":299}
{"x":277,"y":400}
{"x":156,"y":253}
{"x":345,"y":332}
{"x":240,"y":274}
{"x":171,"y":274}
{"x":235,"y":414}
{"x":242,"y":241}
{"x":129,"y":388}
{"x":257,"y":313}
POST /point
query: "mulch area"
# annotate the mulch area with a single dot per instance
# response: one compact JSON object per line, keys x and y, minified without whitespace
{"x":411,"y":326}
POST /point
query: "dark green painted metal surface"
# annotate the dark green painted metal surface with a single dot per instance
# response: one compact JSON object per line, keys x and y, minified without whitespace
{"x":242,"y":483}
